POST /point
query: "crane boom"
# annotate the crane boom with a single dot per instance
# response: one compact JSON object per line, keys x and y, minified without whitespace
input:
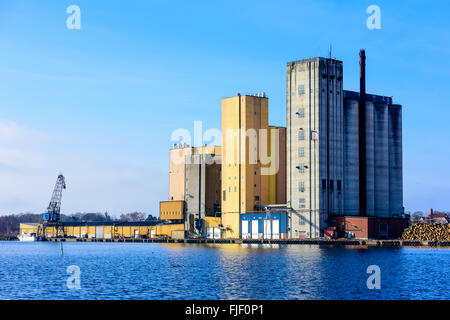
{"x":54,"y":207}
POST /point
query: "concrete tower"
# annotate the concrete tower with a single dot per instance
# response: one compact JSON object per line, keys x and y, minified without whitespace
{"x":243,"y":186}
{"x":315,"y":144}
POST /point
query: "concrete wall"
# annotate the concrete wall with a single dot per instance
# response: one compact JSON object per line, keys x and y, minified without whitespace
{"x":277,"y":182}
{"x":243,"y":186}
{"x":381,"y":153}
{"x":202,"y":189}
{"x":176,"y":172}
{"x":395,"y":160}
{"x":171,"y":210}
{"x":315,"y":106}
{"x":384,"y":156}
{"x":370,"y":158}
{"x":177,"y":166}
{"x":351,"y":158}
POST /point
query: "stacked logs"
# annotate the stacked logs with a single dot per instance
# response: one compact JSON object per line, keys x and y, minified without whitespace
{"x":427,"y":232}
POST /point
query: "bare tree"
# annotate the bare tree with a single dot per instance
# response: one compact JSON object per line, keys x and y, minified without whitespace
{"x":133,"y":216}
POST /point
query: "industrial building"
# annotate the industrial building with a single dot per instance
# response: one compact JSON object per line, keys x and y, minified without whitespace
{"x":106,"y":230}
{"x":194,"y":188}
{"x":336,"y":169}
{"x":178,"y":155}
{"x":252,"y":161}
{"x":202,"y":190}
{"x":344,"y":151}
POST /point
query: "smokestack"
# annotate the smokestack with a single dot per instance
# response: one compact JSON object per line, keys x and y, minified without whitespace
{"x":362,"y":134}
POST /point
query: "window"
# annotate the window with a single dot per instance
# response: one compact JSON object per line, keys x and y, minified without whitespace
{"x":229,"y":189}
{"x":301,"y":112}
{"x":301,"y":69}
{"x":301,"y":203}
{"x":301,"y":186}
{"x":301,"y":134}
{"x":339,"y":185}
{"x":331,"y":184}
{"x":301,"y":168}
{"x":324,"y":184}
{"x":301,"y":152}
{"x":256,"y":198}
{"x":301,"y":89}
{"x":235,"y":189}
{"x":302,"y":220}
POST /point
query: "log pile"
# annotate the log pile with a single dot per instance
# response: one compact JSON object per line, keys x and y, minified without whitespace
{"x":427,"y":232}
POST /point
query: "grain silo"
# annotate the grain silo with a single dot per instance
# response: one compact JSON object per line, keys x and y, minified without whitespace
{"x":381,"y":160}
{"x":395,"y":160}
{"x":351,"y":157}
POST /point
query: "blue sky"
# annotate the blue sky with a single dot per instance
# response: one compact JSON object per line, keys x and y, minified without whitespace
{"x":100,"y":103}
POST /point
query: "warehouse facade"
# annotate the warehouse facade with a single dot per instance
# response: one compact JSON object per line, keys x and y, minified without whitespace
{"x":106,"y":230}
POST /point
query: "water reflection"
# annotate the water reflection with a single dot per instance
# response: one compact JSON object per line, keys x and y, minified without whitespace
{"x":220,"y":271}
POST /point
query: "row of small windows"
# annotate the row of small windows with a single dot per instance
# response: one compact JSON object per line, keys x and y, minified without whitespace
{"x":171,"y":213}
{"x":301,"y":185}
{"x":301,"y":91}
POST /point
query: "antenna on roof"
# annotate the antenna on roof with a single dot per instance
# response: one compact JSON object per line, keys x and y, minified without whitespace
{"x":330,"y":51}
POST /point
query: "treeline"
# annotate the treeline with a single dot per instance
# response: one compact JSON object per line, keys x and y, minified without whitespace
{"x":9,"y":224}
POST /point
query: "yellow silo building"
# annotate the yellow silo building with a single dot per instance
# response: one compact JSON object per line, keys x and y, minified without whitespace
{"x":250,"y":177}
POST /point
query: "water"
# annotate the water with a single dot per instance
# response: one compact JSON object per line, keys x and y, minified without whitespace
{"x":177,"y":271}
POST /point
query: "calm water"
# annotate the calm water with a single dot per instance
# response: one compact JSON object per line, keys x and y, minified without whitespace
{"x":175,"y":271}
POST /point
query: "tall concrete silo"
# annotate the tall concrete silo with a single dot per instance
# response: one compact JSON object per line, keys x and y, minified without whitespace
{"x":395,"y":160}
{"x":370,"y":159}
{"x":381,"y":160}
{"x":351,"y":158}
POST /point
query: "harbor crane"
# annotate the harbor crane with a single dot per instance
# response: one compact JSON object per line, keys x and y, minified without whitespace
{"x":52,"y":218}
